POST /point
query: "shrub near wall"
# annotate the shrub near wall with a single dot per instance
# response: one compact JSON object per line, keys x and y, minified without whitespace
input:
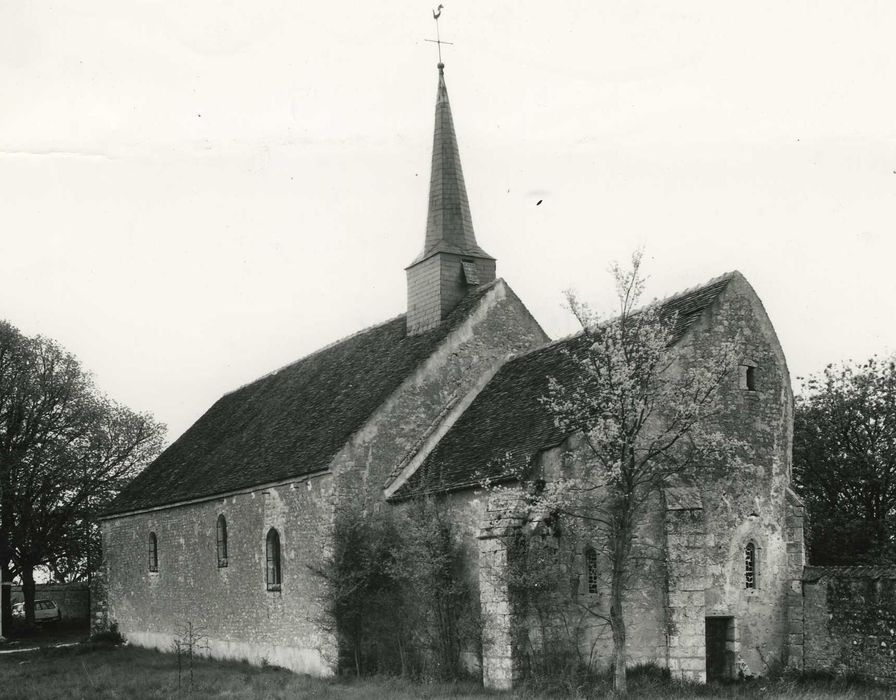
{"x":850,"y":621}
{"x":397,"y":594}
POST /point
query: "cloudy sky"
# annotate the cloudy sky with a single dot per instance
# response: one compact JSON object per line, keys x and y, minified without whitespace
{"x":193,"y":194}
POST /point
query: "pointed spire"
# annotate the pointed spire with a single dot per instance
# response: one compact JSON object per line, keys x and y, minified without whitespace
{"x":449,"y":226}
{"x":451,"y":265}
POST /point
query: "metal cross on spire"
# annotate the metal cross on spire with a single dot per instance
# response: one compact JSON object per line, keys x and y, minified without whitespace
{"x":435,"y":15}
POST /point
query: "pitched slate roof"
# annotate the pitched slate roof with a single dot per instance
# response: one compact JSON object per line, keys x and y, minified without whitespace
{"x":506,"y":425}
{"x":290,"y":422}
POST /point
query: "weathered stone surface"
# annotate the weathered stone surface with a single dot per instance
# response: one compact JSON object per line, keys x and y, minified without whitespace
{"x":231,"y":605}
{"x":849,"y":622}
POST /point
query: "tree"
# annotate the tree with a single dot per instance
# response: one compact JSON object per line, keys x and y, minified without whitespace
{"x":844,"y":462}
{"x":639,"y":408}
{"x":65,"y":451}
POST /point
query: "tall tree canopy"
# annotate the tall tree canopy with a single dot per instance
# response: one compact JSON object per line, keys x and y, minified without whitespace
{"x":65,"y":451}
{"x":844,"y":462}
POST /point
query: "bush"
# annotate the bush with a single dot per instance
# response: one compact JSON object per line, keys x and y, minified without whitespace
{"x":109,"y":637}
{"x":396,"y":593}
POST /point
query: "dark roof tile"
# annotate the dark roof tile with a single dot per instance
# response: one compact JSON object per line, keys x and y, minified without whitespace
{"x":290,"y":422}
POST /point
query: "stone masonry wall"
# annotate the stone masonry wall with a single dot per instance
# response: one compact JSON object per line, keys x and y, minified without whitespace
{"x":686,"y":573}
{"x":850,"y":621}
{"x":241,"y":618}
{"x":500,"y":325}
{"x":740,"y":498}
{"x":72,"y":598}
{"x":570,"y":615}
{"x":745,"y":494}
{"x":796,"y":560}
{"x":501,"y":662}
{"x":232,"y":606}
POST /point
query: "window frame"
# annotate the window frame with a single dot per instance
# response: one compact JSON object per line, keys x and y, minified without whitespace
{"x":153,"y":553}
{"x":221,"y":540}
{"x":591,"y":579}
{"x":747,"y":376}
{"x":273,"y":572}
{"x":751,"y":566}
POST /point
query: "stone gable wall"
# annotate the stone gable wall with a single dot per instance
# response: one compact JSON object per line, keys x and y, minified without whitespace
{"x":698,"y":547}
{"x":500,"y":325}
{"x":744,"y":497}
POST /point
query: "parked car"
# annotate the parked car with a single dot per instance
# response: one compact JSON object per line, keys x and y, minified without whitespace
{"x":44,"y":611}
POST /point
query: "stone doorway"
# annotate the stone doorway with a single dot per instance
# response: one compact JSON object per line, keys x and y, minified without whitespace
{"x":720,"y":638}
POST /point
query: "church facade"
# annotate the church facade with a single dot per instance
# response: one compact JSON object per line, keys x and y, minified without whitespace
{"x":220,"y":530}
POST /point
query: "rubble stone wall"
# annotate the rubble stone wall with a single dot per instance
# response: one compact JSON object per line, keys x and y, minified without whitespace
{"x":850,"y":621}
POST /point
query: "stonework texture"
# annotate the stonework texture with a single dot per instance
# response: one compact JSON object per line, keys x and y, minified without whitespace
{"x":692,"y":538}
{"x":849,"y":621}
{"x":231,"y":604}
{"x":691,"y":567}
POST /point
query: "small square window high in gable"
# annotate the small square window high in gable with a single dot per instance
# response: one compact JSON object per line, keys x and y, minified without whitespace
{"x":470,"y":274}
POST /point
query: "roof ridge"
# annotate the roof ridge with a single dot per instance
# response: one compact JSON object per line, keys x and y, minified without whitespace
{"x":655,"y":302}
{"x":311,"y":354}
{"x":690,"y":290}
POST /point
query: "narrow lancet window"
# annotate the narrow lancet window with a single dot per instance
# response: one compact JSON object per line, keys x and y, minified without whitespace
{"x":221,"y":530}
{"x":272,"y":555}
{"x":153,"y":552}
{"x":750,"y":572}
{"x":591,"y":569}
{"x":748,"y":377}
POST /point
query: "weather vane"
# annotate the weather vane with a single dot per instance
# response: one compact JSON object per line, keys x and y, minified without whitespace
{"x":436,"y":13}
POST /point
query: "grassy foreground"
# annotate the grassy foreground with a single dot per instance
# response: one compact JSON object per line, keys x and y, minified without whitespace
{"x":103,"y":672}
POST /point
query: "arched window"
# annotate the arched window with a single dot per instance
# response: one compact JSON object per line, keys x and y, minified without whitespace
{"x":153,"y":552}
{"x":272,"y":555}
{"x":751,"y":567}
{"x":221,"y":531}
{"x":591,"y":569}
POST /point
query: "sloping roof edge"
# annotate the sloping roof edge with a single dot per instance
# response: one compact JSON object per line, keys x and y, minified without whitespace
{"x":128,"y":502}
{"x":692,"y":303}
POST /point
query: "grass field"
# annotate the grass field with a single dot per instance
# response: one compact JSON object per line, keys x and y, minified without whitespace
{"x":93,"y":671}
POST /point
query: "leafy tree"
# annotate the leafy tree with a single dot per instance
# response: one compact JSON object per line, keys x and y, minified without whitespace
{"x":639,"y":408}
{"x":844,"y":462}
{"x":65,"y":451}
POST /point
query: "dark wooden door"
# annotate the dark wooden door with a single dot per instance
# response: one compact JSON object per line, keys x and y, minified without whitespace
{"x":716,"y":658}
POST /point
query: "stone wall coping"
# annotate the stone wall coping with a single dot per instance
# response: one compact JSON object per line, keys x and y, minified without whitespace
{"x":813,"y":574}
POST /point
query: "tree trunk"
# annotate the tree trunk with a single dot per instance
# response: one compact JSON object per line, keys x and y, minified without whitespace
{"x":28,"y":592}
{"x":621,"y":543}
{"x":617,"y":623}
{"x":5,"y":557}
{"x":5,"y":599}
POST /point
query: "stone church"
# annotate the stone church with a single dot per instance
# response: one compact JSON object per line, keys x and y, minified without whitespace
{"x":219,"y":530}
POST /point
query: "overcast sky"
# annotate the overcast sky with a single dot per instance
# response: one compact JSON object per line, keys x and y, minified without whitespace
{"x":193,"y":194}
